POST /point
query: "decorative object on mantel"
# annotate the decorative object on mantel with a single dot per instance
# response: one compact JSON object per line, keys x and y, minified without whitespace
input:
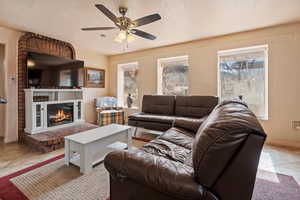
{"x":40,"y":98}
{"x":108,"y":112}
{"x":94,"y":77}
{"x":126,"y":25}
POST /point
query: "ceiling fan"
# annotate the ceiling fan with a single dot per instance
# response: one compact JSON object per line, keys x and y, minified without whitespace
{"x":126,"y":25}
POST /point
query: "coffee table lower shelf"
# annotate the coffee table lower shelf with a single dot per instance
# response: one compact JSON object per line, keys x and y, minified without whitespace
{"x":75,"y":160}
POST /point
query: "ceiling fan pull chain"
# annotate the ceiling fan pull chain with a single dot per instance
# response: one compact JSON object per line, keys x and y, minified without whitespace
{"x":124,"y":47}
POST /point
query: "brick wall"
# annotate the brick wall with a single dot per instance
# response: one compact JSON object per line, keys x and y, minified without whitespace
{"x":31,"y":42}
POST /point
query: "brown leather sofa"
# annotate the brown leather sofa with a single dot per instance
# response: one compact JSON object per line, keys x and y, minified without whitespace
{"x":159,"y":112}
{"x":218,"y":162}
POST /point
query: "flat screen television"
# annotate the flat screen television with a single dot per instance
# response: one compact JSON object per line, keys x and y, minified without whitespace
{"x":47,"y":71}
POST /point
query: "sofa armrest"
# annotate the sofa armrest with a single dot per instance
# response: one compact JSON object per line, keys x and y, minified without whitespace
{"x":190,"y":124}
{"x":163,"y":175}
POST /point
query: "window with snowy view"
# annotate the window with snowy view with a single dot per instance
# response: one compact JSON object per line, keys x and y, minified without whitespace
{"x":127,"y":85}
{"x":173,"y":76}
{"x":243,"y":74}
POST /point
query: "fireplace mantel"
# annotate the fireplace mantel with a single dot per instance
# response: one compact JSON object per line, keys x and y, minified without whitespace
{"x":38,"y":101}
{"x":52,"y":90}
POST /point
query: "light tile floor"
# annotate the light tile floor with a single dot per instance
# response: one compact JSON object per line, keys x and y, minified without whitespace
{"x":281,"y":160}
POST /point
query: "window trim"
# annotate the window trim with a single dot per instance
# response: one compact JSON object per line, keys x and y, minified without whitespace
{"x":265,"y":49}
{"x":120,"y":81}
{"x":160,"y":70}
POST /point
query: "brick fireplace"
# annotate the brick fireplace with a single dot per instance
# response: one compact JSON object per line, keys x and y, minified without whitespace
{"x":31,"y":42}
{"x":51,"y":139}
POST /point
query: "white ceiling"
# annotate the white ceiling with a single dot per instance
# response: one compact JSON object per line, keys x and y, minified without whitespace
{"x":182,"y":20}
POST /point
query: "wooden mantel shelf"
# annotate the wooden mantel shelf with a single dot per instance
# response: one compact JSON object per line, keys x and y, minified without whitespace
{"x":52,"y":90}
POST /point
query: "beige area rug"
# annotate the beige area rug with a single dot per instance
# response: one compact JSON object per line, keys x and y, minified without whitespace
{"x":60,"y":182}
{"x":56,"y":181}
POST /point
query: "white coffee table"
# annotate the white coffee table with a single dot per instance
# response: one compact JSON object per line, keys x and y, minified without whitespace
{"x":88,"y":148}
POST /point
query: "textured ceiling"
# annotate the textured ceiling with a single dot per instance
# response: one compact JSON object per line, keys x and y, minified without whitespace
{"x":182,"y":20}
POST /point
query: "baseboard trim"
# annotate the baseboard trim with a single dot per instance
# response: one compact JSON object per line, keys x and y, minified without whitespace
{"x":284,"y":143}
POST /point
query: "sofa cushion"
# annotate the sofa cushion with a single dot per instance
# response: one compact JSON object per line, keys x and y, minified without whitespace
{"x":219,"y":138}
{"x":167,"y":150}
{"x":179,"y":137}
{"x":158,"y":104}
{"x":188,"y":123}
{"x":156,"y":126}
{"x":194,"y":106}
{"x":166,"y":119}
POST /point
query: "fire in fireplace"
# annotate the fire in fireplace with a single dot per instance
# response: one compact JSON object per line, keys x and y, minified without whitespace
{"x":59,"y":114}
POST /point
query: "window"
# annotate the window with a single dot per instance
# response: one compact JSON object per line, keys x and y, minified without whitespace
{"x":242,"y":73}
{"x":127,"y":85}
{"x":172,"y":76}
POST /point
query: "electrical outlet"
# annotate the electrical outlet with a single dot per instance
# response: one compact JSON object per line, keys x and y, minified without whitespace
{"x":296,"y":125}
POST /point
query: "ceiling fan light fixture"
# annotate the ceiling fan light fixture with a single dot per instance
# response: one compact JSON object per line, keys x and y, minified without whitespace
{"x":122,"y":35}
{"x":130,"y":38}
{"x":117,"y":39}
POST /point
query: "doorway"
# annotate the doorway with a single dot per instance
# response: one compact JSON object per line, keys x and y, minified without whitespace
{"x":2,"y":92}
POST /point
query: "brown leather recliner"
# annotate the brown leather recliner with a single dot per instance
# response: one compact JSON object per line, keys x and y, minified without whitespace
{"x":219,"y":161}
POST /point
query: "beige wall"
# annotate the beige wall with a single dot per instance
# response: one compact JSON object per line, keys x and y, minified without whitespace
{"x":2,"y":94}
{"x":284,"y":70}
{"x":10,"y":38}
{"x":95,"y":60}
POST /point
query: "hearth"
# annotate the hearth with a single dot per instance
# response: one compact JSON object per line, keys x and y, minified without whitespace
{"x":59,"y":114}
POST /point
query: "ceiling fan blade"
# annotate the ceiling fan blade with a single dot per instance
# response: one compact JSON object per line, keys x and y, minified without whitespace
{"x":107,"y":12}
{"x":143,"y":34}
{"x":98,"y":28}
{"x":146,"y":20}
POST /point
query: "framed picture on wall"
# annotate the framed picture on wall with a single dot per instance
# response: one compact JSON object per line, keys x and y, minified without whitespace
{"x":94,"y":77}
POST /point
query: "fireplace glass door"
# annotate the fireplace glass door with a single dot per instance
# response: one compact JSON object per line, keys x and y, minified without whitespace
{"x":59,"y":114}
